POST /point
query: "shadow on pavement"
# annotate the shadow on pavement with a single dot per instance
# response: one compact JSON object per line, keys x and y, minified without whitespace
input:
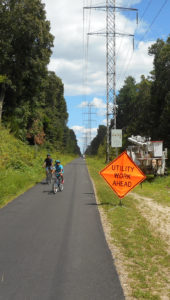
{"x":88,"y":193}
{"x":49,"y":192}
{"x":95,"y":204}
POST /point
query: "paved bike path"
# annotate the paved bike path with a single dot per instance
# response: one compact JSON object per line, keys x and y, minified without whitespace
{"x":52,"y":247}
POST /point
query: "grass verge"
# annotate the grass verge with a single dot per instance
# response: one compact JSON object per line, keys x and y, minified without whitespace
{"x":143,"y":255}
{"x":157,"y":188}
{"x":21,"y":166}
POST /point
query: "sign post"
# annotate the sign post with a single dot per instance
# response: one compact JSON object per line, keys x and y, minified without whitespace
{"x":122,"y":175}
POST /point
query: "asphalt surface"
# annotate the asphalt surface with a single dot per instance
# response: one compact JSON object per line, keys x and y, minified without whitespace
{"x":52,"y":247}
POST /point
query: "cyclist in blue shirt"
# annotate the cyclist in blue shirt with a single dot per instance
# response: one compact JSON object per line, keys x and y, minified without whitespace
{"x":58,"y":169}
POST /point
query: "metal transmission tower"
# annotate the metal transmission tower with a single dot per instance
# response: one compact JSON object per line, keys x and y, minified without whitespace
{"x":110,"y":8}
{"x":88,"y":131}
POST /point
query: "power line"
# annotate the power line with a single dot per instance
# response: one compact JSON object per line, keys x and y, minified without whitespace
{"x":87,"y":26}
{"x":148,"y":29}
{"x":145,"y":10}
{"x":86,"y":49}
{"x":124,"y":27}
{"x":154,"y":19}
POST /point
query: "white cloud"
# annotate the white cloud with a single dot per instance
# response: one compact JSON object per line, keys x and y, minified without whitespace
{"x":83,"y":104}
{"x":81,"y":129}
{"x":98,"y":103}
{"x":84,"y":135}
{"x":131,"y":2}
{"x":137,"y":63}
{"x":77,"y":128}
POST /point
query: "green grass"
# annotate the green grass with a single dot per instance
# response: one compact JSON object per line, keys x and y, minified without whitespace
{"x":145,"y":254}
{"x":21,"y":166}
{"x":156,"y":188}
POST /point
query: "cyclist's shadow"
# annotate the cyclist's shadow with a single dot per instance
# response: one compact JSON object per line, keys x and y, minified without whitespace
{"x":49,"y":192}
{"x":44,"y":182}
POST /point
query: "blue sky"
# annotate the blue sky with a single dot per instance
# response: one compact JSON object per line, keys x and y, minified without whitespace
{"x":84,"y":79}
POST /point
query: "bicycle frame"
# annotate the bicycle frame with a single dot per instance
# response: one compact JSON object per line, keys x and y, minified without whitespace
{"x":57,"y":186}
{"x":49,"y":175}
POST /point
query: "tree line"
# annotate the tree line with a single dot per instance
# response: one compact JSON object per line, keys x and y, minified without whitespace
{"x":144,"y":107}
{"x":32,"y":100}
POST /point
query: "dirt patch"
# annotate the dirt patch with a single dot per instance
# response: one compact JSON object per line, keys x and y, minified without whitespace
{"x":157,"y":215}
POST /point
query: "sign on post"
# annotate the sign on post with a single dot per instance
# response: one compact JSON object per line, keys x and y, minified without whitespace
{"x":122,"y":174}
{"x":116,"y":138}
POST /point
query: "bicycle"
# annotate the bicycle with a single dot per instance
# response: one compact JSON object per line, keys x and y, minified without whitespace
{"x":58,"y":185}
{"x":49,"y":176}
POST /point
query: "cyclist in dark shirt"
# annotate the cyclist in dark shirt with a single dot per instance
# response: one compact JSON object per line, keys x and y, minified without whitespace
{"x":48,"y":164}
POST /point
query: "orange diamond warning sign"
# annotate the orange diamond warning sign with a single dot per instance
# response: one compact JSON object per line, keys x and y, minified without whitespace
{"x":122,"y":174}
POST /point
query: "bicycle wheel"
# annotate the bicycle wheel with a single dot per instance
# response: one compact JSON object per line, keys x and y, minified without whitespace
{"x":50,"y":177}
{"x":55,"y":188}
{"x":47,"y":179}
{"x":61,"y":187}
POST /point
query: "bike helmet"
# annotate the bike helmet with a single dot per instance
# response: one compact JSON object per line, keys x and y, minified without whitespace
{"x":57,"y":161}
{"x":48,"y":154}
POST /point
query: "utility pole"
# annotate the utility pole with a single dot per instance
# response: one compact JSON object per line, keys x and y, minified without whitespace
{"x":110,"y":8}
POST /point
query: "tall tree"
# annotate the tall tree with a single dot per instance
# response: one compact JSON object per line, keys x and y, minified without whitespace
{"x":97,"y":141}
{"x":31,"y":98}
{"x":2,"y":93}
{"x":126,"y":101}
{"x":160,"y":91}
{"x":25,"y":49}
{"x":142,"y":122}
{"x":70,"y":142}
{"x":55,"y":109}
